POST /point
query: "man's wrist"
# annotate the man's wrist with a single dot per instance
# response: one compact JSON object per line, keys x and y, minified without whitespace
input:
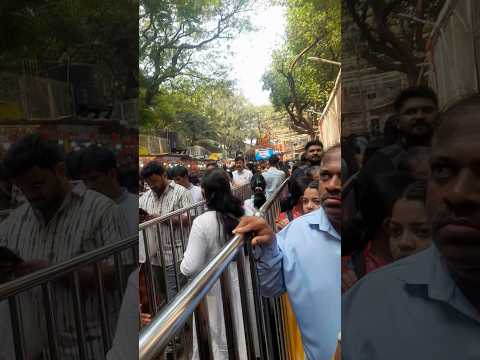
{"x":269,"y":251}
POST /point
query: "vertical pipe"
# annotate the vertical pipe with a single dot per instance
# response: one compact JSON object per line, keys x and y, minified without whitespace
{"x":17,"y":327}
{"x":229,"y":317}
{"x":164,"y":263}
{"x":173,"y":241}
{"x":106,"y":336}
{"x":248,"y":326}
{"x":77,"y":300}
{"x":118,"y":268}
{"x":50,"y":320}
{"x":203,"y":331}
{"x":258,"y":303}
{"x":182,"y":232}
{"x":149,"y":281}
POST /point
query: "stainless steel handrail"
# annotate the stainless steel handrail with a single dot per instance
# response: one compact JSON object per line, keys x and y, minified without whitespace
{"x":156,"y":336}
{"x":169,"y":321}
{"x":58,"y":270}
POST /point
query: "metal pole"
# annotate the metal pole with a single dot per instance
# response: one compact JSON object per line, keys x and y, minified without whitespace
{"x":50,"y":319}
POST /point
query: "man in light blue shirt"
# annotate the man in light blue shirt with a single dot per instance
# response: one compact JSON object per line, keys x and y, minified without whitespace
{"x":304,"y":261}
{"x":427,"y":306}
{"x":273,"y":176}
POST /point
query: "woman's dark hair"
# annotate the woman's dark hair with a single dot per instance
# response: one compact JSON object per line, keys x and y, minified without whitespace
{"x":377,"y":200}
{"x":258,"y":185}
{"x":416,"y":191}
{"x":296,"y":188}
{"x":312,"y":185}
{"x":219,"y":198}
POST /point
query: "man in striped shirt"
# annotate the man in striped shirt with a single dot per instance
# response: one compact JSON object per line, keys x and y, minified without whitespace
{"x":60,"y":221}
{"x":98,"y":169}
{"x":164,"y":197}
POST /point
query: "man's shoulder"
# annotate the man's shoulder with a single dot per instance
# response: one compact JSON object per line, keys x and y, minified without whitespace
{"x":391,"y":279}
{"x":177,"y":189}
{"x":95,"y":203}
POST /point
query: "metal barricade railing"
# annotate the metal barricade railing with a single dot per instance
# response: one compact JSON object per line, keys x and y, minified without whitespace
{"x":263,"y":322}
{"x":107,"y":282}
{"x":164,"y":242}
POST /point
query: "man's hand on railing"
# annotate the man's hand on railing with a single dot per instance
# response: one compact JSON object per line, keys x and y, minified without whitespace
{"x":263,"y":233}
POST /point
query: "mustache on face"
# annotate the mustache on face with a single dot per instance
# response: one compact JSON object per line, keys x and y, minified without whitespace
{"x":336,"y":195}
{"x":444,"y":217}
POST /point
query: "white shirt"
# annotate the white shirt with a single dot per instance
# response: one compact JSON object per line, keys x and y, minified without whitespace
{"x":196,"y":192}
{"x":274,"y":178}
{"x":128,"y":203}
{"x":205,"y":240}
{"x":249,"y":208}
{"x":242,"y":178}
{"x":410,"y":309}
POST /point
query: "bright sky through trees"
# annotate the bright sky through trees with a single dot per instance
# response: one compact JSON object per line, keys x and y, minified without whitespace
{"x":253,"y":50}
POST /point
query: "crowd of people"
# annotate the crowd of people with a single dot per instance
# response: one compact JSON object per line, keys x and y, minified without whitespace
{"x":377,"y":239}
{"x":410,"y":254}
{"x":170,"y":190}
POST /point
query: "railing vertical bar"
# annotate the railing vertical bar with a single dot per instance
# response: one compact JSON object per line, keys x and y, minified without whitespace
{"x":164,"y":264}
{"x":149,"y":280}
{"x":202,"y":327}
{"x":228,"y":315}
{"x":248,"y":326}
{"x":174,"y":252}
{"x":182,"y":232}
{"x":17,"y":327}
{"x":103,"y":309}
{"x":258,"y":303}
{"x":118,"y":267}
{"x":77,"y":300}
{"x":50,"y":320}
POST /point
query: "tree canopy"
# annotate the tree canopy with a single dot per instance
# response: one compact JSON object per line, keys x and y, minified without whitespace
{"x":84,"y":31}
{"x":299,"y":86}
{"x":186,"y":38}
{"x":391,"y":33}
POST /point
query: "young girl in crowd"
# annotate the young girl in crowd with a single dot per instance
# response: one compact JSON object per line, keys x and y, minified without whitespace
{"x":408,"y":228}
{"x":297,"y":188}
{"x":372,"y":244}
{"x":210,"y":231}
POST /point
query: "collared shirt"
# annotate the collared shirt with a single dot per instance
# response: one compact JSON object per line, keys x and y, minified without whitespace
{"x":410,"y":309}
{"x":128,"y":203}
{"x":174,"y":197}
{"x":85,"y":221}
{"x":242,"y":178}
{"x":305,"y":261}
{"x":274,"y":178}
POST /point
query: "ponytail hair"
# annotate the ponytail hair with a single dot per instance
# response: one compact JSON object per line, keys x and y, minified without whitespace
{"x":219,"y":197}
